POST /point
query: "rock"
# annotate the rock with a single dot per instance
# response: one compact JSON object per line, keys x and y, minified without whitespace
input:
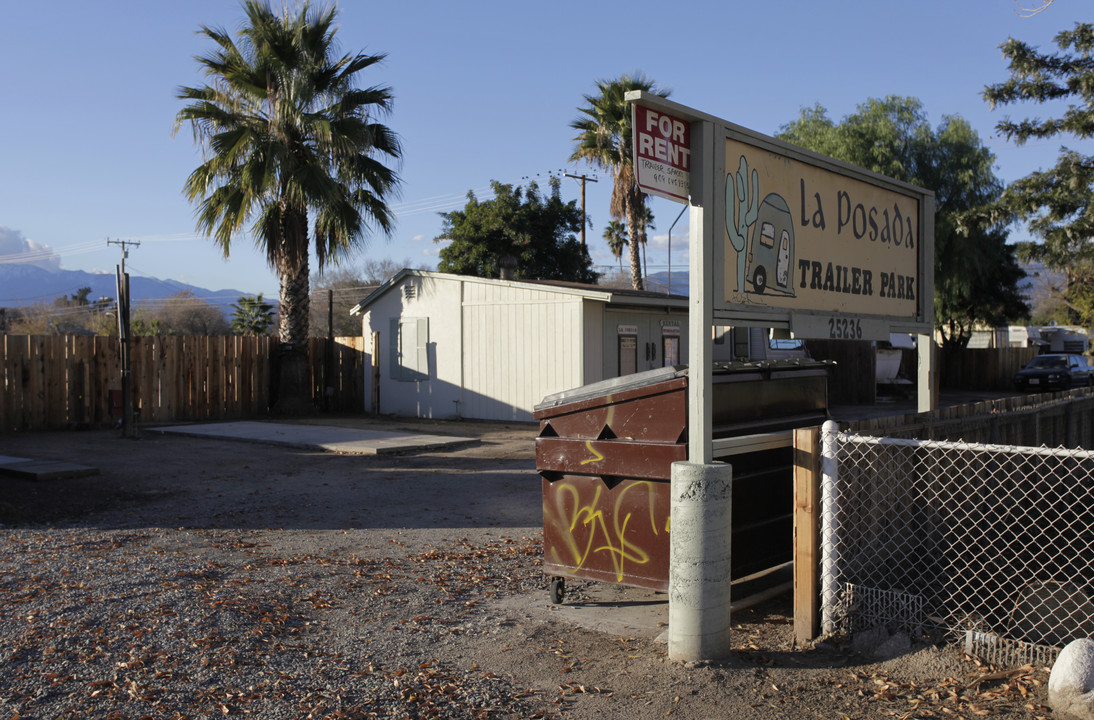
{"x":1071,"y":683}
{"x":898,"y":644}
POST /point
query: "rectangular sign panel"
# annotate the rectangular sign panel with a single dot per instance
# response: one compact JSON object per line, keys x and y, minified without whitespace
{"x":804,"y":237}
{"x":836,"y":327}
{"x":662,"y":153}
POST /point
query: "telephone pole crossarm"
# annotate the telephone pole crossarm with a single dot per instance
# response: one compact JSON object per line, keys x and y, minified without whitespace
{"x":125,"y":248}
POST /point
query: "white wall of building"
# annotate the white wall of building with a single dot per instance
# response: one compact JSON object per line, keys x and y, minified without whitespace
{"x":494,"y":349}
{"x":519,"y":345}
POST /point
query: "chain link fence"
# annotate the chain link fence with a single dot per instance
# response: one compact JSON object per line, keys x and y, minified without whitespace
{"x":977,"y":542}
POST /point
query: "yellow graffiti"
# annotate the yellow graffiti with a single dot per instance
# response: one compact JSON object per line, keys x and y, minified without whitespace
{"x":598,"y":458}
{"x":600,"y":538}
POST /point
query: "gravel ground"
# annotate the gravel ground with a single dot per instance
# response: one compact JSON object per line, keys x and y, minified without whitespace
{"x":197,"y":578}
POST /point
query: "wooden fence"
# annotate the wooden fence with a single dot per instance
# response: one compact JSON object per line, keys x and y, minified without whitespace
{"x":966,"y":369}
{"x":53,"y":382}
{"x":338,"y":378}
{"x":983,"y":368}
{"x":1053,"y":419}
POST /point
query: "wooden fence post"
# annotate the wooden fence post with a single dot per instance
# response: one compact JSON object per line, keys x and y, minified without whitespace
{"x":807,"y":550}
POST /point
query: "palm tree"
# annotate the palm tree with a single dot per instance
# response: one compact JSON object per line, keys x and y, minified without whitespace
{"x":616,"y":235}
{"x":645,"y":222}
{"x":287,"y":133}
{"x":252,"y":315}
{"x":604,"y":140}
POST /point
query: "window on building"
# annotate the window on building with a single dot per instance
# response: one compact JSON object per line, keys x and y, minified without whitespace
{"x":670,"y":350}
{"x":409,"y":349}
{"x":628,"y":354}
{"x":740,"y":344}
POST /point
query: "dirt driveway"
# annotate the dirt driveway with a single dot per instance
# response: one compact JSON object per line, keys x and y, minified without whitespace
{"x":196,"y":577}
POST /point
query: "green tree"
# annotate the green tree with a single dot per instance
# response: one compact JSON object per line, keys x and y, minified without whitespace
{"x":537,"y":231}
{"x":976,"y":274}
{"x":616,"y":236}
{"x":290,"y":140}
{"x":180,"y":314}
{"x":604,"y":141}
{"x":77,"y":299}
{"x":1058,"y":203}
{"x":252,"y":315}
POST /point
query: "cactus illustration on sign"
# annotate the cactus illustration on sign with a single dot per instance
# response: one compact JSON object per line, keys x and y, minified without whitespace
{"x":742,"y":206}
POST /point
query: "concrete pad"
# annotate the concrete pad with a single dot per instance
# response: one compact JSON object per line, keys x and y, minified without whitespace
{"x":351,"y":441}
{"x":636,"y":612}
{"x":8,"y":460}
{"x":46,"y":470}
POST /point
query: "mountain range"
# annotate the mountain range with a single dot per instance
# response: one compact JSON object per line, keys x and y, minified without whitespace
{"x":22,"y":285}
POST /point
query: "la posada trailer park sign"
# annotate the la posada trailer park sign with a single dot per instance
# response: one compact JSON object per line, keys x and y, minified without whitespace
{"x":805,"y":242}
{"x":783,"y":237}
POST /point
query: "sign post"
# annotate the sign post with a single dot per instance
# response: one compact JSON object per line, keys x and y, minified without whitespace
{"x":780,"y":237}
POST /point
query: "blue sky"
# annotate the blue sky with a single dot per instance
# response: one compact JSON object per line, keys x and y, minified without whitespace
{"x":483,"y":91}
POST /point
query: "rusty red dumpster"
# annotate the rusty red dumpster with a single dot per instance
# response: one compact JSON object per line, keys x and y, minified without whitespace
{"x":604,"y":452}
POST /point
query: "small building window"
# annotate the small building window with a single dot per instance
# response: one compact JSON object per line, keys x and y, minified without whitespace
{"x":409,"y":349}
{"x":628,"y":354}
{"x":670,"y":351}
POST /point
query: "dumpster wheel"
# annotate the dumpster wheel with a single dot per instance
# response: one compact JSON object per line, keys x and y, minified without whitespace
{"x":558,"y":590}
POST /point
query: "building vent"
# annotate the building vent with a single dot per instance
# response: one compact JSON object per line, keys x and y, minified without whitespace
{"x":409,"y":291}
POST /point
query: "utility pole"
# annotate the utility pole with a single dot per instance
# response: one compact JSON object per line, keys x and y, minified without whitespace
{"x":125,"y":248}
{"x":583,"y":179}
{"x":124,"y":338}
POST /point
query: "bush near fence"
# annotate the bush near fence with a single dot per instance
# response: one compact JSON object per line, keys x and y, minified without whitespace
{"x":56,"y":382}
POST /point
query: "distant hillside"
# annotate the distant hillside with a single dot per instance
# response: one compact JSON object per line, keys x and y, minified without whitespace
{"x":22,"y":285}
{"x":659,"y":281}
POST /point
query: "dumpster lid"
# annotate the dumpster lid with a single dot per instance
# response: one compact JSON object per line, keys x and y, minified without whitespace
{"x":636,"y":381}
{"x":633,"y":381}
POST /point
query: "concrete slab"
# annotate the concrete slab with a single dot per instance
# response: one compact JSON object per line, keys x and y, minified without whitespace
{"x":46,"y":470}
{"x":640,"y":613}
{"x":350,"y":441}
{"x":9,"y":460}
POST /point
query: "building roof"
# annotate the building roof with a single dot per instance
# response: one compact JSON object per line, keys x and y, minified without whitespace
{"x":597,"y":293}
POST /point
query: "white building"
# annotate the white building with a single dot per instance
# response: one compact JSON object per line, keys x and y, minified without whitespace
{"x":452,"y":346}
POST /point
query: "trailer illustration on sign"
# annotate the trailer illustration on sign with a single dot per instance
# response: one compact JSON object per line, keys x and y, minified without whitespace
{"x":767,"y":260}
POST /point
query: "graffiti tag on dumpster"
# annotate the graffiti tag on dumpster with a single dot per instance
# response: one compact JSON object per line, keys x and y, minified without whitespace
{"x":619,"y":531}
{"x":597,"y":457}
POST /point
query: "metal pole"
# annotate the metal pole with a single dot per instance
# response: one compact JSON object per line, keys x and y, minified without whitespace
{"x":700,"y":551}
{"x":123,"y":343}
{"x":682,"y":211}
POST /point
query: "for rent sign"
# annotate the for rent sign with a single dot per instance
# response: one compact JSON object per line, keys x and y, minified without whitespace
{"x":662,"y":153}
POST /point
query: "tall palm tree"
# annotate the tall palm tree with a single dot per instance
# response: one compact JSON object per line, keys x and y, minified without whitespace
{"x":645,"y":222}
{"x":616,"y":235}
{"x":604,"y":140}
{"x":288,"y":134}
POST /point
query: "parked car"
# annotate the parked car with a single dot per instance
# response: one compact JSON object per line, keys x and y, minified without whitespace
{"x":1054,"y":371}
